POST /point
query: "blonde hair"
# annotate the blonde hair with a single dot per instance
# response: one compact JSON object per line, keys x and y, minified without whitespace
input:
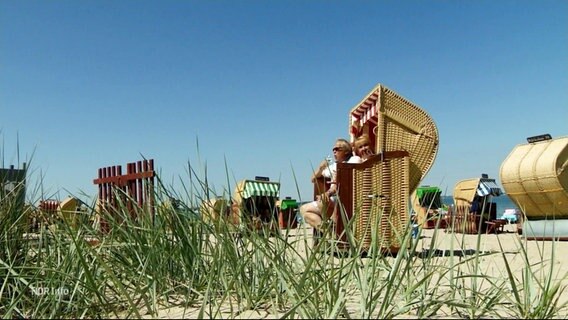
{"x":361,"y":140}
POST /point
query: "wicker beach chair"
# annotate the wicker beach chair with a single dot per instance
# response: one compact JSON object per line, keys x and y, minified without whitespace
{"x":535,"y":177}
{"x":214,"y":209}
{"x":375,"y":194}
{"x":426,"y":203}
{"x":254,"y":204}
{"x":68,"y":209}
{"x":474,"y":210}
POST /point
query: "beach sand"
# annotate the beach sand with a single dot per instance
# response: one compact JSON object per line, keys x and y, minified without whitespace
{"x":507,"y":245}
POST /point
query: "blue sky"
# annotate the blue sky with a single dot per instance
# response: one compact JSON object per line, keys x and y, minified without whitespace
{"x":265,"y":87}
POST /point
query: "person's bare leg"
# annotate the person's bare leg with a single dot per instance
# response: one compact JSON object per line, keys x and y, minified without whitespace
{"x":333,"y":216}
{"x":311,"y":213}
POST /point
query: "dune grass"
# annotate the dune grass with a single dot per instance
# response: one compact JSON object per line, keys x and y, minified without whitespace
{"x":144,"y":265}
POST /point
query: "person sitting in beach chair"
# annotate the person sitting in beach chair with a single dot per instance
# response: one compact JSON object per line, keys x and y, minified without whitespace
{"x":475,"y":208}
{"x":362,"y":148}
{"x":311,"y":212}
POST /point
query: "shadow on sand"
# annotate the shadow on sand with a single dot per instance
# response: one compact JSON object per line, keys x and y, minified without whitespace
{"x":447,"y":253}
{"x":455,"y":253}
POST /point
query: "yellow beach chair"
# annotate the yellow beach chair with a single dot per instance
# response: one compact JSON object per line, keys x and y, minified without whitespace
{"x":535,"y":177}
{"x":474,"y":209}
{"x":254,"y":204}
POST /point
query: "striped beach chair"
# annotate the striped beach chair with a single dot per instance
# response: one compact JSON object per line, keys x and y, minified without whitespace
{"x":474,"y":208}
{"x":254,"y":204}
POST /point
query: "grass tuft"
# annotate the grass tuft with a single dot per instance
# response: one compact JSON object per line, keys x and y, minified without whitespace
{"x":147,"y":263}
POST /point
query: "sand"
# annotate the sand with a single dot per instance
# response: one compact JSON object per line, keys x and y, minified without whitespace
{"x":508,"y":244}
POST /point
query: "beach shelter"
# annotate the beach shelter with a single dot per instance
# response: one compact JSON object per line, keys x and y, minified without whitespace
{"x":287,"y":213}
{"x":255,"y":201}
{"x":374,"y":195}
{"x":68,"y":210}
{"x":473,"y":204}
{"x":426,"y":203}
{"x":13,"y":187}
{"x":214,"y":209}
{"x":535,"y":177}
{"x":12,"y":198}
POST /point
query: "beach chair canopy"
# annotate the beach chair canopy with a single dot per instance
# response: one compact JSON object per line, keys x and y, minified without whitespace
{"x":393,"y":123}
{"x":286,"y":204}
{"x":246,"y":189}
{"x":467,"y":190}
{"x":250,"y":188}
{"x":535,"y":177}
{"x":428,"y":197}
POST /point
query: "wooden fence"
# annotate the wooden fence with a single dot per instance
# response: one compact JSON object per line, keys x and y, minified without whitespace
{"x":133,"y":190}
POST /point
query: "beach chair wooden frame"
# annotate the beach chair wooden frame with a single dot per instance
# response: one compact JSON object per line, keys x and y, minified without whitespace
{"x":135,"y":190}
{"x":495,"y":226}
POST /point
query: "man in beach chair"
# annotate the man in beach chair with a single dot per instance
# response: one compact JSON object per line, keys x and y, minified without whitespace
{"x":325,"y":201}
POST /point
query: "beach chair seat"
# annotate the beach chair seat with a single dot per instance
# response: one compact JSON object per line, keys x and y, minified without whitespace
{"x":373,"y":202}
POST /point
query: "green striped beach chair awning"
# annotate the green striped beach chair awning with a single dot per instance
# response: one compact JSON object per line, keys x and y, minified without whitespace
{"x":260,"y":188}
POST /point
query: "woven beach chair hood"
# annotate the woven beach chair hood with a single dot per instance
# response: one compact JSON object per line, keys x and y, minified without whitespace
{"x":394,"y":123}
{"x":535,"y":176}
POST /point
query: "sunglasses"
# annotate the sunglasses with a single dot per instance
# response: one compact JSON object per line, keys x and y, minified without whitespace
{"x":335,"y":149}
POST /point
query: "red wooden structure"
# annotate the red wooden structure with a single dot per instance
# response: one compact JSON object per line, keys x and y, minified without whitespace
{"x":49,"y":206}
{"x":45,"y":215}
{"x":135,"y":188}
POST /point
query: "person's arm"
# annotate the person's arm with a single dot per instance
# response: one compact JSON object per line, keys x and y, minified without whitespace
{"x":319,"y":172}
{"x":329,"y":193}
{"x":332,"y":189}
